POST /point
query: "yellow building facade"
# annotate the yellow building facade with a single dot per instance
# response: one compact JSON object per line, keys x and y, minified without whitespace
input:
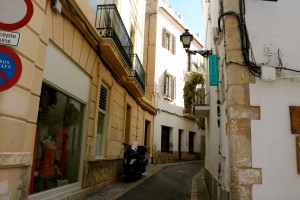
{"x":81,"y":95}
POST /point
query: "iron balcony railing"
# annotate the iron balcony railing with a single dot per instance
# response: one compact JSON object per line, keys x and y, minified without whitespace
{"x":139,"y":72}
{"x":110,"y":25}
{"x":200,"y":98}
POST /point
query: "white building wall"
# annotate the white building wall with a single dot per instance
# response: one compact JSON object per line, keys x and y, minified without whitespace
{"x":176,"y":124}
{"x":274,"y":147}
{"x":216,"y":137}
{"x":171,"y":113}
{"x":273,"y":25}
{"x":133,"y":16}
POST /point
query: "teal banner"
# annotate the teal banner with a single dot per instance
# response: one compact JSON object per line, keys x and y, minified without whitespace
{"x":213,"y":70}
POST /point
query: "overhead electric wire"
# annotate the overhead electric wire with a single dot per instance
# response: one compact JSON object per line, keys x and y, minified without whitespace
{"x":247,"y":51}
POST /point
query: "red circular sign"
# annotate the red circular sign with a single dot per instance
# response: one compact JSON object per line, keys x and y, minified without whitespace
{"x":22,"y":22}
{"x":10,"y":68}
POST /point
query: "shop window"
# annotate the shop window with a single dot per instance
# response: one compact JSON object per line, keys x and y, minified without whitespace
{"x":168,"y":40}
{"x":100,"y":140}
{"x":169,"y":86}
{"x":165,"y":139}
{"x":58,"y":141}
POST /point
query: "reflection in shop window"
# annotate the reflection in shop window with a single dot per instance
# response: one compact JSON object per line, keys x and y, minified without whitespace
{"x":58,"y":141}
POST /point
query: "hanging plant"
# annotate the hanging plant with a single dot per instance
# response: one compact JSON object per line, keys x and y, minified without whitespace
{"x":189,"y":90}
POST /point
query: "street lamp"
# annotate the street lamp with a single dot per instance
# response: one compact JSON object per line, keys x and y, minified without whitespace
{"x":186,"y":38}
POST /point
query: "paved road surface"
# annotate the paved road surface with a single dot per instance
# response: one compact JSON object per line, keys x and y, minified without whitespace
{"x":172,"y":182}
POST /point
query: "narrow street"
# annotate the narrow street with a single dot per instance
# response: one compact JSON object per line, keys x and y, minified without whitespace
{"x":163,"y":181}
{"x":172,"y":182}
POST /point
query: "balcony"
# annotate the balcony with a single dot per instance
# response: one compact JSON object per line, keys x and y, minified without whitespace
{"x":138,"y":75}
{"x":114,"y":34}
{"x":117,"y":50}
{"x":199,"y":106}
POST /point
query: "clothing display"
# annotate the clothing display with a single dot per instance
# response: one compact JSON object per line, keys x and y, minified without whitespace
{"x":46,"y":168}
{"x":52,"y":166}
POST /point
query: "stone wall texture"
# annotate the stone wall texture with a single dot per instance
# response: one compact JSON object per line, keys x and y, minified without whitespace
{"x":170,"y":157}
{"x":239,"y":113}
{"x":102,"y":171}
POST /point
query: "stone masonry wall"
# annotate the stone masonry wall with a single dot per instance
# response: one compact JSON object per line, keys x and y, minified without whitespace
{"x":169,"y":157}
{"x":101,"y":171}
{"x":239,"y":113}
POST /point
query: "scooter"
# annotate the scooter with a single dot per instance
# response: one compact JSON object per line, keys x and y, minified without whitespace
{"x":135,"y":162}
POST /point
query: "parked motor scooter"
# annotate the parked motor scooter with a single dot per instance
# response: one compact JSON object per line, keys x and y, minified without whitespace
{"x":135,"y":162}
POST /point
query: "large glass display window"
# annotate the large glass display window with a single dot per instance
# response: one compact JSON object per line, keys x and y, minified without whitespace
{"x":58,"y":141}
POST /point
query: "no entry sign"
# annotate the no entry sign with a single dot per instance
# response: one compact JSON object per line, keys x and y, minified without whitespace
{"x":15,"y":14}
{"x":10,"y":68}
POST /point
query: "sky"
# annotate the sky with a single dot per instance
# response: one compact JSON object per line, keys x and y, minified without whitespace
{"x":191,"y":11}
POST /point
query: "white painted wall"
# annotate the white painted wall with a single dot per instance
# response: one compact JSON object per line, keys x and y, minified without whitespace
{"x":275,"y":23}
{"x":175,"y":65}
{"x":162,"y":118}
{"x":216,"y":137}
{"x":274,"y":147}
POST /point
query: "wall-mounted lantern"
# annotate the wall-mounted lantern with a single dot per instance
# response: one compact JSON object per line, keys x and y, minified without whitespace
{"x":186,"y":38}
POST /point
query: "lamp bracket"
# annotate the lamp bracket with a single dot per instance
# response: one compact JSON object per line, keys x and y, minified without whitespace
{"x":203,"y":53}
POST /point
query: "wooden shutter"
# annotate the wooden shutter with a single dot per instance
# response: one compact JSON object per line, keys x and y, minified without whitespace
{"x":173,"y":87}
{"x":164,"y":33}
{"x":165,"y":82}
{"x":173,"y":44}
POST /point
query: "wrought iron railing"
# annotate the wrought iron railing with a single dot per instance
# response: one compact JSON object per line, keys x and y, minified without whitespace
{"x":200,"y":98}
{"x":110,"y":25}
{"x":139,"y":74}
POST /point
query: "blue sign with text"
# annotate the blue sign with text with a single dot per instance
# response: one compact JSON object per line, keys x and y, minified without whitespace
{"x":10,"y":68}
{"x":213,"y":70}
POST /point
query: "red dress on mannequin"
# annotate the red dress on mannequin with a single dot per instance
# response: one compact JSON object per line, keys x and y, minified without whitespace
{"x":47,"y":161}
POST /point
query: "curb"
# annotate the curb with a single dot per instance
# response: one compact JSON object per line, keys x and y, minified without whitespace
{"x":194,"y":189}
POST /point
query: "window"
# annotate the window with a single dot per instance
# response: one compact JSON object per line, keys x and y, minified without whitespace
{"x":168,"y":41}
{"x":100,"y":140}
{"x":180,"y":143}
{"x":58,"y":141}
{"x":169,"y":86}
{"x":165,"y":139}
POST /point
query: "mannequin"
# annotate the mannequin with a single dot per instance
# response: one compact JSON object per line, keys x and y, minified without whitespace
{"x":48,"y":155}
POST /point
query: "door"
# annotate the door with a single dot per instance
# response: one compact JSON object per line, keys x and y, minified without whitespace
{"x":179,"y":143}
